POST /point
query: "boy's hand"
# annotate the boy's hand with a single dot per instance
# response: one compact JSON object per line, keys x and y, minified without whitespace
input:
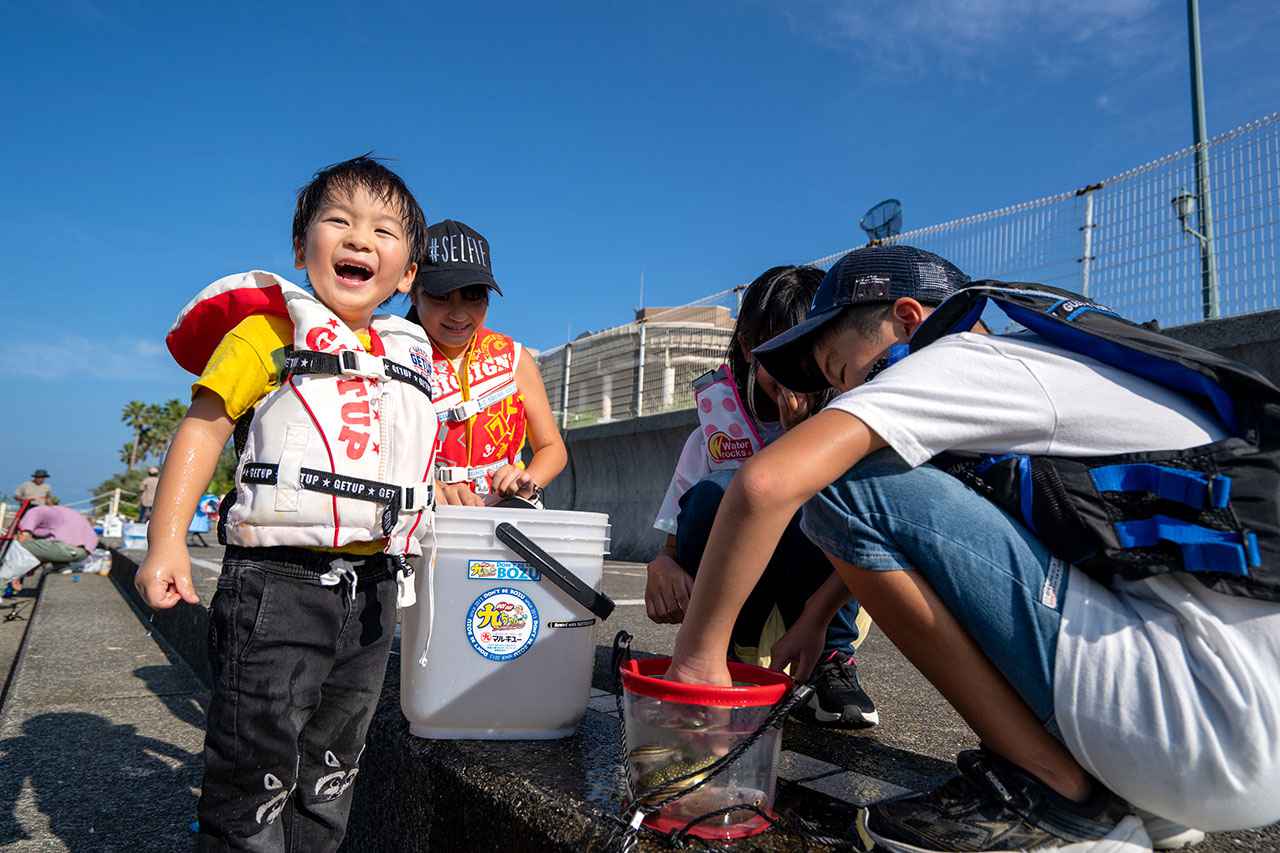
{"x":801,"y":647}
{"x":457,"y":494}
{"x":692,"y":671}
{"x":164,"y":579}
{"x":667,"y":590}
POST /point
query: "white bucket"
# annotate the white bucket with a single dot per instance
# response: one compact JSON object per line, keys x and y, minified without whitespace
{"x":508,"y":657}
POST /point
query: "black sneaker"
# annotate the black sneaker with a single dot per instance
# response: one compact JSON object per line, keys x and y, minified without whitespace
{"x":839,"y":700}
{"x":995,"y":806}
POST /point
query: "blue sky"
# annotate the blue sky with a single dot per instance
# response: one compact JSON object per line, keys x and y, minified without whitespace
{"x":150,"y":148}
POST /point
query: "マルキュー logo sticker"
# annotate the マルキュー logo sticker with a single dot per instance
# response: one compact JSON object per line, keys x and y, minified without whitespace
{"x":502,"y":624}
{"x":501,"y":570}
{"x":721,"y":447}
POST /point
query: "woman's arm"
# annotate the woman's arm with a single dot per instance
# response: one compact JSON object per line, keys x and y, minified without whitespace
{"x":755,"y":511}
{"x":549,"y":454}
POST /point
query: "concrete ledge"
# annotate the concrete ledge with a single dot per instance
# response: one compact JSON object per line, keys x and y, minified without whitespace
{"x":419,"y":795}
{"x":1253,"y":339}
{"x":622,"y":469}
{"x":185,"y":628}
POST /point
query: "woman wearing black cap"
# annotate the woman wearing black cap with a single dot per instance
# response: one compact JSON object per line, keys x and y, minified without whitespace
{"x":490,"y":399}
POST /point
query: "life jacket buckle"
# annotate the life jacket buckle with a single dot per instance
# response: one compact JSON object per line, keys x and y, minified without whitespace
{"x":361,"y":364}
{"x":416,"y":498}
{"x":453,"y":474}
{"x":464,"y":411}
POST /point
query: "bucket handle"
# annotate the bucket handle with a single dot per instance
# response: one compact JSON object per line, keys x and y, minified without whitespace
{"x":598,"y":603}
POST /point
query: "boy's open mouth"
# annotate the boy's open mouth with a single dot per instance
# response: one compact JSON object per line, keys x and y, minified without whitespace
{"x":353,"y":273}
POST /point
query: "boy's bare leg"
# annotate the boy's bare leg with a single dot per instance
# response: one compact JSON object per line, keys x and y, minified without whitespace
{"x":910,"y":613}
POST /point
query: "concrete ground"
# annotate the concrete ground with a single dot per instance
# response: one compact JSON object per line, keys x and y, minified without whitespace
{"x":15,"y":615}
{"x":100,"y":730}
{"x":912,"y":748}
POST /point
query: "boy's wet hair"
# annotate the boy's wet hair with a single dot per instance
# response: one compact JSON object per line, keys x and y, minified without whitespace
{"x":778,"y":299}
{"x":367,"y":171}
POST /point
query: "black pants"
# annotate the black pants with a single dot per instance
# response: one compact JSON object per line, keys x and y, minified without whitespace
{"x":795,"y":571}
{"x":297,"y":670}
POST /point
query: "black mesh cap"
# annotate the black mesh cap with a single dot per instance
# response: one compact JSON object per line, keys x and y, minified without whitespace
{"x":457,"y":256}
{"x":862,"y":277}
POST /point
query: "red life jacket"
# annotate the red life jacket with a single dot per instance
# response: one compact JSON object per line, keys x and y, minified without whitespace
{"x":481,"y":411}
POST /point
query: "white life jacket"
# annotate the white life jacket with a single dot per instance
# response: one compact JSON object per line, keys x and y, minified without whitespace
{"x":466,"y":453}
{"x":343,"y":450}
{"x":729,"y":433}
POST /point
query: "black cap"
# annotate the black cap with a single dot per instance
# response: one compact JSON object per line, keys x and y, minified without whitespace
{"x":457,"y":256}
{"x":862,"y":277}
{"x":40,"y":472}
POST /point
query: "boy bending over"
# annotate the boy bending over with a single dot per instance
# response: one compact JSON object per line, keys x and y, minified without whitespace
{"x":1095,"y":696}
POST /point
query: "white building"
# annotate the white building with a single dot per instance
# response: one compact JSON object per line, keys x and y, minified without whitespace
{"x":642,"y":368}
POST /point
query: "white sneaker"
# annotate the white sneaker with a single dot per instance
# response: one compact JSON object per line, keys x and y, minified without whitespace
{"x":1167,"y":835}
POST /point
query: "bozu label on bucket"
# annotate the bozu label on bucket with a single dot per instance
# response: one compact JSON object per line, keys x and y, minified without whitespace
{"x":502,"y":624}
{"x":501,"y":570}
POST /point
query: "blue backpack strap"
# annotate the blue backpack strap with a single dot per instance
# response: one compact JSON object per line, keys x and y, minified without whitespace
{"x":893,"y":355}
{"x":959,"y":313}
{"x":1080,"y":325}
{"x":1191,"y":488}
{"x":1203,"y":549}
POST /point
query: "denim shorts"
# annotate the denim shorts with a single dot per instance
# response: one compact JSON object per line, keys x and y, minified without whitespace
{"x":994,"y":576}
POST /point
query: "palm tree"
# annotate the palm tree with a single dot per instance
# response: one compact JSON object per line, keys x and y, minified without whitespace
{"x":135,"y":415}
{"x":162,"y":421}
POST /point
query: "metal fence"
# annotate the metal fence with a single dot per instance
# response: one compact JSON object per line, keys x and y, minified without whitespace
{"x":1133,"y":241}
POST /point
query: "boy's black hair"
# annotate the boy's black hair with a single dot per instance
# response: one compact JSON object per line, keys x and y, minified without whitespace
{"x":868,"y":321}
{"x":778,"y":299}
{"x":368,"y":172}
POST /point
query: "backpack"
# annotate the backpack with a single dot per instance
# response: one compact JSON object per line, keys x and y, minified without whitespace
{"x":1212,"y":510}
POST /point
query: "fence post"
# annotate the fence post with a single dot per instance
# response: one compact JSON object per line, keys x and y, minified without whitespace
{"x":564,"y":386}
{"x":640,"y":354}
{"x":1208,"y":268}
{"x":1086,"y":260}
{"x":115,"y":502}
{"x":4,"y":511}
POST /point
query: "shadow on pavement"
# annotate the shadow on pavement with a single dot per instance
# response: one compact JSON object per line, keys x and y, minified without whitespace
{"x":100,"y":785}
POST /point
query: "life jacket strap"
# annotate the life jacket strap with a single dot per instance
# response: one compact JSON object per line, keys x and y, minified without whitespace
{"x":353,"y":363}
{"x":411,"y":498}
{"x":462,"y":474}
{"x":468,"y":409}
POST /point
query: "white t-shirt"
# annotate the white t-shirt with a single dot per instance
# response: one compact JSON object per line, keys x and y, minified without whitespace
{"x":1166,"y":691}
{"x":693,"y":466}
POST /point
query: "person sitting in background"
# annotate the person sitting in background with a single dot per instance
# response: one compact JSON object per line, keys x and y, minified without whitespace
{"x":36,"y":489}
{"x":147,"y":493}
{"x":56,"y":534}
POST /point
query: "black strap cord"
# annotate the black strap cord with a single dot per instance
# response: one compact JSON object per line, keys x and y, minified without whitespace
{"x":304,"y":361}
